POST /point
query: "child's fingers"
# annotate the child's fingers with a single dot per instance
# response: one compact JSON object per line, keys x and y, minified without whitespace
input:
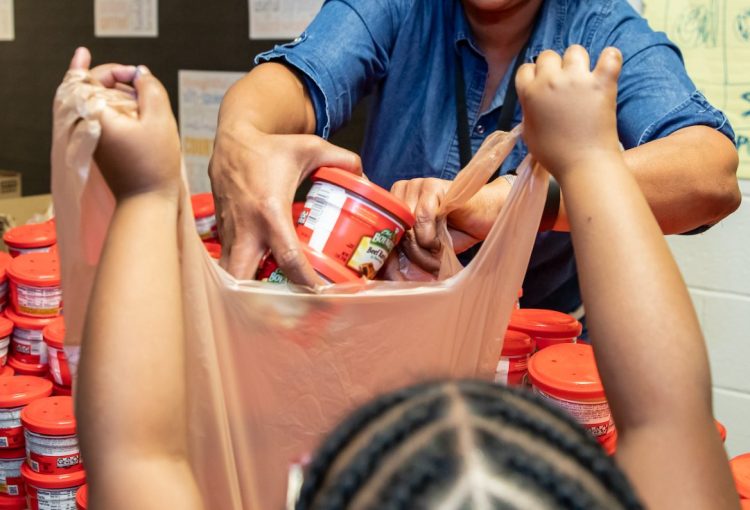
{"x":152,"y":97}
{"x":548,"y":64}
{"x":81,"y":60}
{"x":110,"y":75}
{"x":525,"y":76}
{"x":609,"y":64}
{"x":576,"y":58}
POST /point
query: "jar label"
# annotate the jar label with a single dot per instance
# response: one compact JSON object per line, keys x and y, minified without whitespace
{"x":53,"y":499}
{"x":207,"y":228}
{"x":28,"y":346}
{"x":594,"y":416}
{"x":15,"y":252}
{"x":11,"y":482}
{"x":510,"y":370}
{"x":58,"y":366}
{"x":38,"y":300}
{"x":11,"y":431}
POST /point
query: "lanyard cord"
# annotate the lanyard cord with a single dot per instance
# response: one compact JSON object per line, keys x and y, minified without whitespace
{"x":507,"y":110}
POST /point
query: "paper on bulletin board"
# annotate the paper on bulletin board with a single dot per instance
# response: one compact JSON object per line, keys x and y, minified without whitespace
{"x":200,"y":95}
{"x":281,"y":19}
{"x":7,"y":23}
{"x":126,"y":18}
{"x":714,"y":36}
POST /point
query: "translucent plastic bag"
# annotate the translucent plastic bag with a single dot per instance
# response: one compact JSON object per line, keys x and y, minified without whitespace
{"x":271,"y":369}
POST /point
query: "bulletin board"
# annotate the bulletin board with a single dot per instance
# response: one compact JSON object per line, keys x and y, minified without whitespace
{"x":193,"y":34}
{"x":714,"y":36}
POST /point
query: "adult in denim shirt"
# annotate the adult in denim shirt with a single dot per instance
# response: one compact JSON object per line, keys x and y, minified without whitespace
{"x":404,"y":54}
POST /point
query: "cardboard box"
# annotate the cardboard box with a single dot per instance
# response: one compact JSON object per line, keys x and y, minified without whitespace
{"x":19,"y":211}
{"x":10,"y":184}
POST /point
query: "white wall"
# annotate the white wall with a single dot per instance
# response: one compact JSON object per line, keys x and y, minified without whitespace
{"x":716,"y":267}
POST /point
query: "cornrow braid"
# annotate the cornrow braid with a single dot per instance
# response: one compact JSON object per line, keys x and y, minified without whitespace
{"x":344,"y":433}
{"x":403,"y":451}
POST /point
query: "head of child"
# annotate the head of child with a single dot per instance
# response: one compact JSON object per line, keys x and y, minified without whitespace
{"x":462,"y":445}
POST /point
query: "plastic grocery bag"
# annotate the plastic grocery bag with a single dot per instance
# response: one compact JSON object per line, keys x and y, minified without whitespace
{"x":271,"y":369}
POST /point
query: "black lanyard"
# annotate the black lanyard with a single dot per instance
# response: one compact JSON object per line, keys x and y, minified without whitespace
{"x":507,"y":110}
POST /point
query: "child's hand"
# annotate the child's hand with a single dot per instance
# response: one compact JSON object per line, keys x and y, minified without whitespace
{"x":569,"y":111}
{"x":140,"y":154}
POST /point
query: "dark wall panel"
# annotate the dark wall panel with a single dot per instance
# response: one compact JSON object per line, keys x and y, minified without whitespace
{"x":193,"y":34}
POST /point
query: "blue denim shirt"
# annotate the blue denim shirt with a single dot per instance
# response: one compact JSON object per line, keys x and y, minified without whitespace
{"x":403,"y":54}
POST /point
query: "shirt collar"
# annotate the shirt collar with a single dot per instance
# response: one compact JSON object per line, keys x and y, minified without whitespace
{"x":549,"y":33}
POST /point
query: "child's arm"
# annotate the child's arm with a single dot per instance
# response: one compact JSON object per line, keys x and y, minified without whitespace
{"x":131,"y":402}
{"x":648,"y":344}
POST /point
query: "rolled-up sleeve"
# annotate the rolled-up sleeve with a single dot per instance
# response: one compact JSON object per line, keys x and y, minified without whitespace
{"x":342,"y":55}
{"x":656,"y":96}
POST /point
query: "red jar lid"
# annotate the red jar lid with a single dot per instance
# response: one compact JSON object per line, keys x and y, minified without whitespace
{"x":61,"y":391}
{"x":22,"y":390}
{"x":203,"y":205}
{"x":12,"y":502}
{"x":36,"y":235}
{"x":7,"y":371}
{"x":6,"y":327}
{"x":37,"y":269}
{"x":23,"y":322}
{"x":329,"y":268}
{"x":516,"y":343}
{"x":54,"y":333}
{"x":567,"y":371}
{"x":213,"y":248}
{"x":368,"y":190}
{"x":741,"y":470}
{"x":5,"y":260}
{"x":297,"y":208}
{"x":544,"y":323}
{"x":12,"y":453}
{"x":82,"y":497}
{"x":64,"y":481}
{"x":30,"y":369}
{"x":722,"y":430}
{"x":51,"y":416}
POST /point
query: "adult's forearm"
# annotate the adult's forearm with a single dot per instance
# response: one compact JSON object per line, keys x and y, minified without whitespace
{"x":272,"y":99}
{"x":689,"y":179}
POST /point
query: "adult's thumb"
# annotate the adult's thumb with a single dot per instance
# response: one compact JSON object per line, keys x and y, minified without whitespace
{"x":327,"y":154}
{"x":153,"y":99}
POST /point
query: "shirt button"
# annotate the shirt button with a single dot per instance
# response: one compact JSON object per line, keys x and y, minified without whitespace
{"x":480,"y":129}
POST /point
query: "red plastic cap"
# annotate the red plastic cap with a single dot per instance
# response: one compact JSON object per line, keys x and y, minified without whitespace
{"x":297,"y":208}
{"x":722,"y":430}
{"x":54,"y":333}
{"x":213,"y":248}
{"x":567,"y":371}
{"x":12,"y":502}
{"x":203,"y":205}
{"x":545,"y":323}
{"x":51,"y":416}
{"x":23,"y":322}
{"x":64,"y":481}
{"x":35,"y":235}
{"x":5,"y":260}
{"x":329,"y":268}
{"x":6,"y":327}
{"x":517,"y":343}
{"x":741,"y":470}
{"x":7,"y":371}
{"x":82,"y":497}
{"x":12,"y":453}
{"x":368,"y":190}
{"x":23,"y":368}
{"x":21,"y":390}
{"x":37,"y":269}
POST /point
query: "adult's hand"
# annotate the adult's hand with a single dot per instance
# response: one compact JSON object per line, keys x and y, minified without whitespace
{"x":467,"y":225}
{"x":254,"y":176}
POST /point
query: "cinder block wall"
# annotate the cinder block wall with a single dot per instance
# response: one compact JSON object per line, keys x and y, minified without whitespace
{"x":716,"y":268}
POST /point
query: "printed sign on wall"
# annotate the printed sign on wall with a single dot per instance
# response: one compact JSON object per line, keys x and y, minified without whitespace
{"x":7,"y":23}
{"x":281,"y":19}
{"x":200,"y":95}
{"x":126,"y":18}
{"x":714,"y":36}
